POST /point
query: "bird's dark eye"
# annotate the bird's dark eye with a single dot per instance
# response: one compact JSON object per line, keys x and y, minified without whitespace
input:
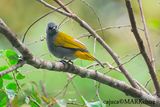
{"x":50,"y":28}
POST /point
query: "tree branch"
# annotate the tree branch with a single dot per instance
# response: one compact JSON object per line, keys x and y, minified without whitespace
{"x":142,"y":47}
{"x":146,"y":33}
{"x":12,"y":68}
{"x":70,"y":68}
{"x":106,"y":28}
{"x":61,"y":4}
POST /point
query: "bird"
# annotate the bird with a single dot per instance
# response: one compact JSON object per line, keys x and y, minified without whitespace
{"x":66,"y":47}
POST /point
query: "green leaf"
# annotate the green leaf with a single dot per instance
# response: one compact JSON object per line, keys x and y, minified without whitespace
{"x":2,"y":68}
{"x":19,"y":76}
{"x":7,"y":77}
{"x":33,"y":104}
{"x":93,"y":104}
{"x":1,"y":83}
{"x":12,"y":86}
{"x":35,"y":96}
{"x":3,"y":99}
{"x":11,"y":56}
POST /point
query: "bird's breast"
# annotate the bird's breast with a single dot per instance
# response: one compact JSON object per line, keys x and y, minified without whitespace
{"x":58,"y":51}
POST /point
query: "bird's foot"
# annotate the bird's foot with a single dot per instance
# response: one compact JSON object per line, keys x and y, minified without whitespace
{"x":63,"y":61}
{"x":66,"y":61}
{"x":69,"y":61}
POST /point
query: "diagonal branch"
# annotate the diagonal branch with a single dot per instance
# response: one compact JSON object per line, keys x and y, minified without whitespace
{"x":61,"y":4}
{"x":99,"y":39}
{"x":12,"y":68}
{"x":142,"y":47}
{"x":106,"y":28}
{"x":146,"y":33}
{"x":70,"y":68}
{"x":15,"y":42}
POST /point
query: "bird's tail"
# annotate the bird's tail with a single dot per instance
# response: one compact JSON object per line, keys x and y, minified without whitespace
{"x":87,"y":56}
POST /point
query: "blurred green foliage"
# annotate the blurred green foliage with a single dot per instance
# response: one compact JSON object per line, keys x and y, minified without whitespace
{"x":19,"y":14}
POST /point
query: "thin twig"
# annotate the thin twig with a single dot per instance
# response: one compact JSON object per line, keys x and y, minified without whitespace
{"x":115,"y":68}
{"x":63,"y":22}
{"x":94,"y":47}
{"x":105,"y":63}
{"x":106,"y":28}
{"x":16,"y":81}
{"x":147,"y":82}
{"x":13,"y":74}
{"x":24,"y":36}
{"x":43,"y":88}
{"x":95,"y":82}
{"x":95,"y":13}
{"x":63,"y":6}
{"x":142,"y":47}
{"x":12,"y":68}
{"x":116,"y":27}
{"x":143,"y":88}
{"x":132,"y":58}
{"x":146,"y":33}
{"x":75,"y":88}
{"x":157,"y":44}
{"x":65,"y":87}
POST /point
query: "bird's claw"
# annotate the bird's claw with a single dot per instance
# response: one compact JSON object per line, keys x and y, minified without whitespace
{"x":64,"y":61}
{"x":69,"y":61}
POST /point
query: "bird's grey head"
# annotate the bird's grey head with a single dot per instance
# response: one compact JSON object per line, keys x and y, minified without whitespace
{"x":52,"y":28}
